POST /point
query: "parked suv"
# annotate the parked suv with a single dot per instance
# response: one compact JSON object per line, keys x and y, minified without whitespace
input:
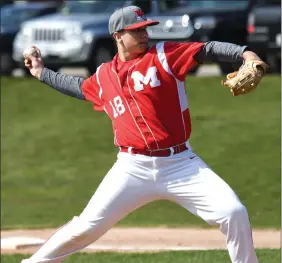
{"x":12,"y":15}
{"x":264,"y":32}
{"x":203,"y":20}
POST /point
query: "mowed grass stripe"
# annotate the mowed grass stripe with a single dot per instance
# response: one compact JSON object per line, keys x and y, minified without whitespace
{"x":216,"y":256}
{"x":55,"y":151}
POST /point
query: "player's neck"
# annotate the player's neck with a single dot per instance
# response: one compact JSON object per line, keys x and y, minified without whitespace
{"x":126,"y":56}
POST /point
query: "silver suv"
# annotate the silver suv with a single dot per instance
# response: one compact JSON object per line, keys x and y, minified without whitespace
{"x":75,"y":36}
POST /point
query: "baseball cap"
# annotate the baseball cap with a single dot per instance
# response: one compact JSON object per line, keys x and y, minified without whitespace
{"x":128,"y":18}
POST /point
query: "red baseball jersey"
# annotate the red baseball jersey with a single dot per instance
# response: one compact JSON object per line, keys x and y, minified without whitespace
{"x":145,"y":97}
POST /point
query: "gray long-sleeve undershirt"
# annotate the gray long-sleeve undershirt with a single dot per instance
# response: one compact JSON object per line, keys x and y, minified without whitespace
{"x":220,"y":51}
{"x":211,"y":51}
{"x":65,"y":84}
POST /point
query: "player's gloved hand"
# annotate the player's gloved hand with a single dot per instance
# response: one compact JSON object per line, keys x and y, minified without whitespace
{"x":34,"y":62}
{"x":246,"y":78}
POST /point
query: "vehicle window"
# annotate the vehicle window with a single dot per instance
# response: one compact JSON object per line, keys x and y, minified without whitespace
{"x":90,"y":7}
{"x":166,"y":5}
{"x":269,"y":2}
{"x":11,"y":15}
{"x":145,"y":5}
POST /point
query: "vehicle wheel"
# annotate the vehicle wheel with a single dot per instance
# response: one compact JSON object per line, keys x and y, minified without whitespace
{"x":274,"y":64}
{"x":6,"y":64}
{"x":227,"y":67}
{"x":100,"y":55}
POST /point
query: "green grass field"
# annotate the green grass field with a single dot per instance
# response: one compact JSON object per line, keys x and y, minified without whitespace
{"x":56,"y":150}
{"x":218,"y":256}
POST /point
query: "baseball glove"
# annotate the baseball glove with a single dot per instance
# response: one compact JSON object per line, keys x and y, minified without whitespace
{"x":246,"y":78}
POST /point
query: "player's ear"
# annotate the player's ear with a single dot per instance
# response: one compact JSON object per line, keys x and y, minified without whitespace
{"x":117,"y":37}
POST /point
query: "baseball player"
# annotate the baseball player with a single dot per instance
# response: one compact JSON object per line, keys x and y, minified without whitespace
{"x":142,"y":91}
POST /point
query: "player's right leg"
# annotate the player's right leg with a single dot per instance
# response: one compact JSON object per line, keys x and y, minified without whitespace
{"x":125,"y":188}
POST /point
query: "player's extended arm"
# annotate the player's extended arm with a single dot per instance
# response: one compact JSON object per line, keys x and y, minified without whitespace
{"x":68,"y":85}
{"x":63,"y":83}
{"x":224,"y":51}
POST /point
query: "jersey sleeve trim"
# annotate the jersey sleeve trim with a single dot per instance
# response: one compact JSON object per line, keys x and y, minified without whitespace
{"x":162,"y":58}
{"x":98,"y":81}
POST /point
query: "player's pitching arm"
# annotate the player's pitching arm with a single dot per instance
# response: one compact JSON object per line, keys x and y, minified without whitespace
{"x":69,"y":85}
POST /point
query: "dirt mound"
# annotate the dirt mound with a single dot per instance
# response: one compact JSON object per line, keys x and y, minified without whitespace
{"x":147,"y":239}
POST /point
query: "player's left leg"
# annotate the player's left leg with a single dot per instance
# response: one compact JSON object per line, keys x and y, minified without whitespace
{"x":193,"y":185}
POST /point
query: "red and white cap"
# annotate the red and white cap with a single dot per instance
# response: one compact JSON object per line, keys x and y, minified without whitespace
{"x":128,"y":18}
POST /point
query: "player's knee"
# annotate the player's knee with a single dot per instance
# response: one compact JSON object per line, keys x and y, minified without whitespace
{"x":237,"y":212}
{"x":77,"y":229}
{"x":84,"y":229}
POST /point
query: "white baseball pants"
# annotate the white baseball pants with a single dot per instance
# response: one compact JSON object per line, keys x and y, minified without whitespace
{"x":135,"y":180}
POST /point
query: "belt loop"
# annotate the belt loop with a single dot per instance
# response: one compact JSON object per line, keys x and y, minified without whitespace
{"x":171,"y":150}
{"x":187,"y":145}
{"x":129,"y":150}
{"x":178,"y":148}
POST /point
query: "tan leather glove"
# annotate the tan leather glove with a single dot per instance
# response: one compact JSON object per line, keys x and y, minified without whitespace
{"x":246,"y":78}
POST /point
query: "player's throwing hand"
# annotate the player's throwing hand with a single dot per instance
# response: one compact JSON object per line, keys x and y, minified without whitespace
{"x":33,"y":61}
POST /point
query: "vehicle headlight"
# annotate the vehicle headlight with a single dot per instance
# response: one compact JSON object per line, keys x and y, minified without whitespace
{"x":26,"y":31}
{"x":23,"y":36}
{"x":168,"y":25}
{"x":185,"y":20}
{"x":88,"y":36}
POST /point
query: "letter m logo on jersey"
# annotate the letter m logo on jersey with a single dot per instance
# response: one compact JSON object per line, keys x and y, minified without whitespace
{"x":150,"y":78}
{"x":139,"y":14}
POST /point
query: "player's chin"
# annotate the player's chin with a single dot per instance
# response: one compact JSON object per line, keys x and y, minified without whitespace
{"x":142,"y":47}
